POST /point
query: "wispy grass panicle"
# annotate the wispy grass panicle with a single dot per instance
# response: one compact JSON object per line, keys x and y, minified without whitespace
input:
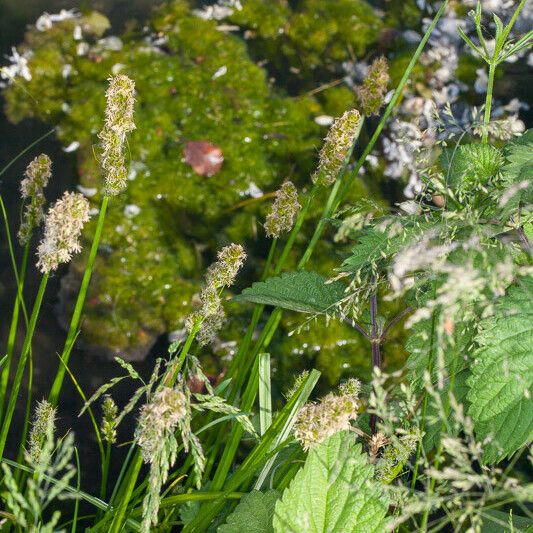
{"x":284,"y":211}
{"x":337,"y":145}
{"x":371,"y":94}
{"x":159,"y":418}
{"x":118,"y":122}
{"x":36,"y":177}
{"x":156,"y":427}
{"x":62,"y":228}
{"x":43,"y":424}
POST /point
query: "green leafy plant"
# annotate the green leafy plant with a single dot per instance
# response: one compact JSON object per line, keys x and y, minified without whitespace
{"x":440,"y":443}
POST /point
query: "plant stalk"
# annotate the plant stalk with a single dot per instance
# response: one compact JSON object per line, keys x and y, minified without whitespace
{"x":80,"y":301}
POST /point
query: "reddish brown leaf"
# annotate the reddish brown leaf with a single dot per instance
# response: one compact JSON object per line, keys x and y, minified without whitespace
{"x":205,"y":158}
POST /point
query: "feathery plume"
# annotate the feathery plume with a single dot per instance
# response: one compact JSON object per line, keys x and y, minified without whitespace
{"x":118,"y":122}
{"x":155,"y":434}
{"x":62,"y":227}
{"x":159,"y":418}
{"x":337,"y":145}
{"x":284,"y":211}
{"x":37,"y":174}
{"x":371,"y":94}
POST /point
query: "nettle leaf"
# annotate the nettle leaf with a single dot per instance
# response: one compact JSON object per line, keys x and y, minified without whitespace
{"x":253,"y":514}
{"x":517,"y":155}
{"x":434,"y":421}
{"x":501,"y":384}
{"x":517,"y":172}
{"x":471,"y":163}
{"x":306,"y":292}
{"x":422,"y":348}
{"x":370,"y":248}
{"x":334,"y":492}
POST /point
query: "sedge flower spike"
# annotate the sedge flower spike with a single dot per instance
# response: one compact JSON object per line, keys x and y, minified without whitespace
{"x":36,"y":178}
{"x":220,"y":274}
{"x":315,"y":422}
{"x":371,"y":94}
{"x":118,"y":122}
{"x":337,"y":145}
{"x":284,"y":210}
{"x":42,"y":425}
{"x":62,"y":228}
{"x":109,"y":424}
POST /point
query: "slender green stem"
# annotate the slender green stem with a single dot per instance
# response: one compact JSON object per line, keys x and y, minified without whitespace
{"x":27,"y":413}
{"x":105,"y":471}
{"x":6,"y":424}
{"x":78,"y":484}
{"x":80,"y":301}
{"x":131,"y":479}
{"x":488,"y":103}
{"x":27,"y":149}
{"x":4,"y":379}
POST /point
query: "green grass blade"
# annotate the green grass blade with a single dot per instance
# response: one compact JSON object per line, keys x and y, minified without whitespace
{"x":265,"y":399}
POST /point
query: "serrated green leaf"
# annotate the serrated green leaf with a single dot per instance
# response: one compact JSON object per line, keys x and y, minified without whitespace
{"x":253,"y":514}
{"x":306,"y":292}
{"x":369,"y":249}
{"x":471,"y":164}
{"x":434,"y":421}
{"x":501,"y":384}
{"x":517,"y":154}
{"x":334,"y":492}
{"x":422,"y":348}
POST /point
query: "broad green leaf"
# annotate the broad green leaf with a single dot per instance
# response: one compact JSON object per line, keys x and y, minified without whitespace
{"x":371,"y":246}
{"x":253,"y":514}
{"x":501,"y":384}
{"x":334,"y":492}
{"x":518,"y":169}
{"x":471,"y":164}
{"x":434,"y":422}
{"x":517,"y":155}
{"x":306,"y":292}
{"x":375,"y":248}
{"x":422,"y":348}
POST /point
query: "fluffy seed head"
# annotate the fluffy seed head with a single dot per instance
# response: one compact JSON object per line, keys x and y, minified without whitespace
{"x":36,"y":178}
{"x":62,"y":227}
{"x":118,"y":122}
{"x":286,"y":207}
{"x":223,"y":272}
{"x":372,"y":93}
{"x":42,"y":425}
{"x":157,"y":418}
{"x":120,"y":100}
{"x":109,"y":408}
{"x":317,"y":421}
{"x":211,"y":325}
{"x":337,"y":145}
{"x":220,"y":274}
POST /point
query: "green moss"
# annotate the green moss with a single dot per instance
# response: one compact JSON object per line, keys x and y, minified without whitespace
{"x":151,"y":262}
{"x":309,"y":37}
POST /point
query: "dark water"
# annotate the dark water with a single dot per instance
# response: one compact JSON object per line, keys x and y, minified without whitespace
{"x":49,"y":337}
